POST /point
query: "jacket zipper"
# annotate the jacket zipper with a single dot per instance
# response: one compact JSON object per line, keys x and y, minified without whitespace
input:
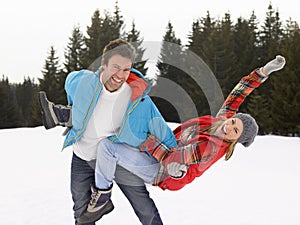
{"x":85,"y":118}
{"x":124,"y":122}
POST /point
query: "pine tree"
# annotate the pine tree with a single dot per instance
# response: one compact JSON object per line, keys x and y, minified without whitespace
{"x":100,"y":33}
{"x":202,"y":38}
{"x":73,"y":56}
{"x":25,"y":94}
{"x":258,"y":107}
{"x":285,"y":93}
{"x":271,"y":38}
{"x":225,"y":60}
{"x":36,"y":116}
{"x":9,"y":111}
{"x":195,"y":39}
{"x":246,"y":50}
{"x":169,"y":52}
{"x":73,"y":51}
{"x":271,"y":34}
{"x":110,"y":29}
{"x":93,"y":46}
{"x":201,"y":42}
{"x":173,"y":68}
{"x":214,"y":42}
{"x":133,"y":37}
{"x":51,"y":81}
{"x":118,"y":21}
{"x":3,"y":106}
{"x":246,"y":44}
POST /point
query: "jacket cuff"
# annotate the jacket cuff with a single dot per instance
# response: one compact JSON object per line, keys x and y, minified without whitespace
{"x":261,"y":77}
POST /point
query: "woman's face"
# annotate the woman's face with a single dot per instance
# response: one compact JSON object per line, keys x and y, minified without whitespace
{"x":231,"y":129}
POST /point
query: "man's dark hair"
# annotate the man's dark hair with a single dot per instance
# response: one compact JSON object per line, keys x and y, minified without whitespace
{"x":118,"y":47}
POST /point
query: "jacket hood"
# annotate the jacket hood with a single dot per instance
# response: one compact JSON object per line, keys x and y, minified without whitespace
{"x":139,"y":84}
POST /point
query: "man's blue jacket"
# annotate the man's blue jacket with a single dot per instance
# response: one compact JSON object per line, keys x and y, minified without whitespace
{"x":142,"y":117}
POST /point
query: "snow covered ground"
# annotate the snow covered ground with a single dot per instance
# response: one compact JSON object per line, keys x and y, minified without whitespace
{"x":257,"y":186}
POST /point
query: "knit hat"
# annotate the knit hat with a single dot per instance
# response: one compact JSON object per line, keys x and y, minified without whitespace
{"x":250,"y":129}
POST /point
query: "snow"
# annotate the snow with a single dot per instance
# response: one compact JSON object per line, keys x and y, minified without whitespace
{"x":257,"y":186}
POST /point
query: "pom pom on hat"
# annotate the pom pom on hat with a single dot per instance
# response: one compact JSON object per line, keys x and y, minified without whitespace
{"x":250,"y":129}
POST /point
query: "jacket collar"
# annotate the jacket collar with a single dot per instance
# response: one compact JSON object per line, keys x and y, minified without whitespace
{"x":137,"y":82}
{"x":139,"y":85}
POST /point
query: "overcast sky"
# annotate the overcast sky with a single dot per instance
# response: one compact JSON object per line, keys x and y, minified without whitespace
{"x":29,"y":28}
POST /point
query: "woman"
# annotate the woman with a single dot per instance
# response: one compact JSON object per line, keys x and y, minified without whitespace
{"x":203,"y":141}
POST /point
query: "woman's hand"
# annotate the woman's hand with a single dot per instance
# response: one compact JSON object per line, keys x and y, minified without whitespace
{"x":274,"y":65}
{"x":176,"y":170}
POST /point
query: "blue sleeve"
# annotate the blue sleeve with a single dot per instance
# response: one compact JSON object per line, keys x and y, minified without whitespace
{"x":160,"y":129}
{"x":71,"y":84}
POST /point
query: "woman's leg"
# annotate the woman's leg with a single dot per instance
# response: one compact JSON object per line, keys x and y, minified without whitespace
{"x":110,"y":154}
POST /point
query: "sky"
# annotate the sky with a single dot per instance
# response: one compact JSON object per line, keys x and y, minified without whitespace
{"x":29,"y":28}
{"x":259,"y":185}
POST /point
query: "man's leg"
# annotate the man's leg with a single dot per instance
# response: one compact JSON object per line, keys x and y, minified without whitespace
{"x":108,"y":156}
{"x":132,"y":186}
{"x":135,"y":191}
{"x":82,"y":176}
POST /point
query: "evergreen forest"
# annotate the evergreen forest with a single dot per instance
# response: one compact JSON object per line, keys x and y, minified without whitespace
{"x":231,"y":49}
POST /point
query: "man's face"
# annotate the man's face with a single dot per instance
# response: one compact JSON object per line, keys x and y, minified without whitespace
{"x":116,"y":72}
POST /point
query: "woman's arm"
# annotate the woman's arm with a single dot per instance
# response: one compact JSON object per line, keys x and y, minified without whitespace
{"x":247,"y":84}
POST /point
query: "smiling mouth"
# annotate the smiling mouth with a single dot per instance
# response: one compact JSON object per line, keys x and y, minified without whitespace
{"x":116,"y":79}
{"x":224,"y":130}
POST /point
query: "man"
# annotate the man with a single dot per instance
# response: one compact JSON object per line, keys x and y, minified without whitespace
{"x":113,"y":103}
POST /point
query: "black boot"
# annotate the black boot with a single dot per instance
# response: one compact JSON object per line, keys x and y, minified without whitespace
{"x":54,"y":115}
{"x":99,"y":205}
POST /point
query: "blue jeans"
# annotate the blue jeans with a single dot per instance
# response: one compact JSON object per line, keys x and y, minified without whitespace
{"x":110,"y":154}
{"x":83,"y":175}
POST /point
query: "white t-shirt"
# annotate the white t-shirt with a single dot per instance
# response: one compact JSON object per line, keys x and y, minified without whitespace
{"x":105,"y":121}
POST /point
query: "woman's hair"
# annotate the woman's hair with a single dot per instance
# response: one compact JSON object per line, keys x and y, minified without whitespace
{"x":212,"y":130}
{"x":118,"y":47}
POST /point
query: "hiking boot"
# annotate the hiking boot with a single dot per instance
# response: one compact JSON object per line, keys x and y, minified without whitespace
{"x":100,"y":204}
{"x":54,"y":115}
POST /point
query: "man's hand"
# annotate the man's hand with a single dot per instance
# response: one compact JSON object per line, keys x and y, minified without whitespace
{"x":274,"y":65}
{"x":176,"y":170}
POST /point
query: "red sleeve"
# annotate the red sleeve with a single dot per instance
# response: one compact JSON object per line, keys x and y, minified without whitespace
{"x":194,"y":170}
{"x":176,"y":184}
{"x":238,"y":94}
